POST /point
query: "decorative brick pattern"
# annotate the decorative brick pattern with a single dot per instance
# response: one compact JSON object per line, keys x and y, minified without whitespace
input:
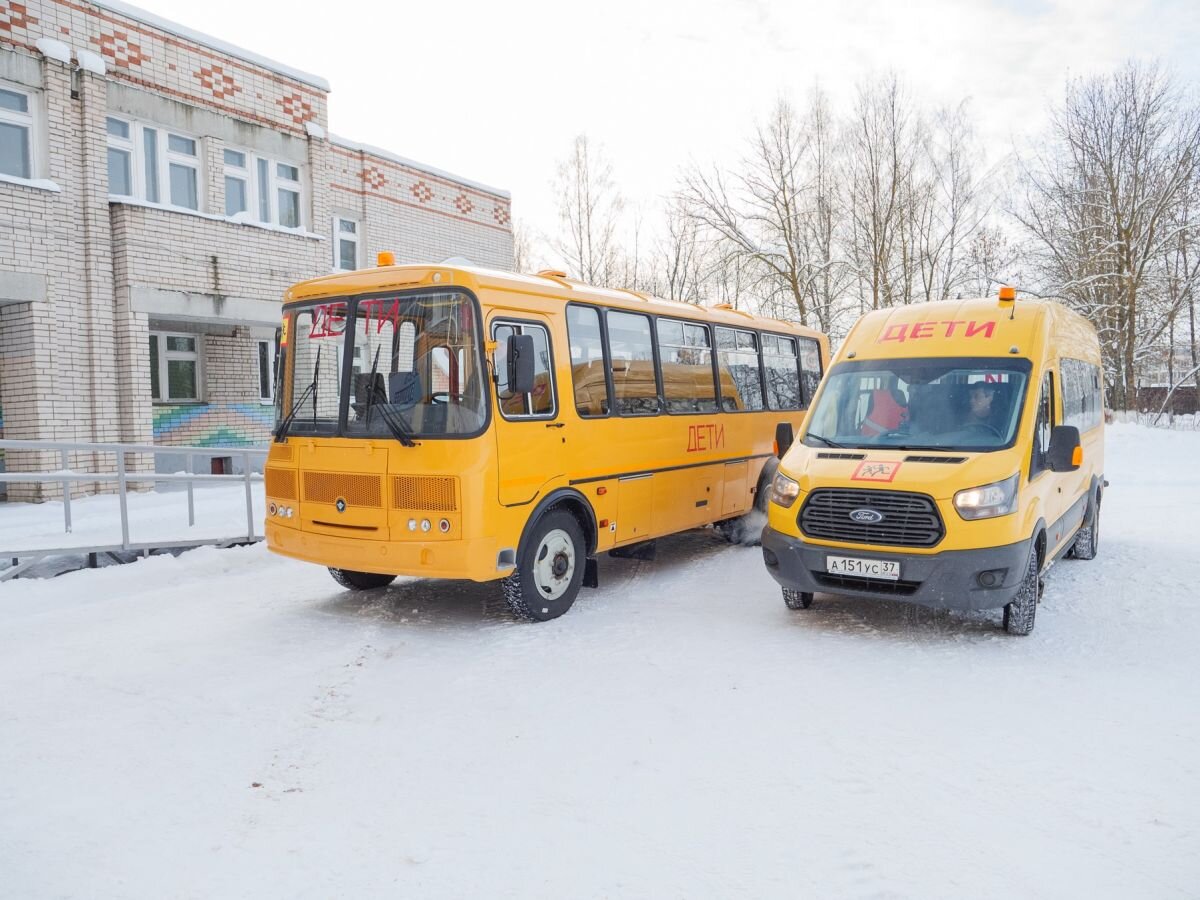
{"x":297,"y":108}
{"x":120,"y":50}
{"x":217,"y":81}
{"x":501,"y":214}
{"x":15,"y":15}
{"x":463,"y":204}
{"x":422,"y":191}
{"x":373,"y":178}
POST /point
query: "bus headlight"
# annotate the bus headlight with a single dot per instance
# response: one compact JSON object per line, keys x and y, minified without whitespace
{"x":784,"y":491}
{"x":989,"y":500}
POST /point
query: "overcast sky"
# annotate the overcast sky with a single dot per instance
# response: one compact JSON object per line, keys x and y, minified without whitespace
{"x":496,"y":91}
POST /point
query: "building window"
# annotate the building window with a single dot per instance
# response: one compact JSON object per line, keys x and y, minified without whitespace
{"x":174,"y":367}
{"x":266,"y":370}
{"x":237,"y":183}
{"x":267,"y":190}
{"x":345,"y":244}
{"x":16,"y":133}
{"x":166,"y":163}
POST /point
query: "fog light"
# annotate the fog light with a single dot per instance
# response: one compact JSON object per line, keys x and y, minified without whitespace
{"x":425,"y":525}
{"x":444,"y":525}
{"x":770,"y":558}
{"x":991,"y":578}
{"x":412,"y":524}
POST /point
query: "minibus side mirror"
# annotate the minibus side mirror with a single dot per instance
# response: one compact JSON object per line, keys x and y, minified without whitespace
{"x":520,"y":363}
{"x":783,"y":438}
{"x":1066,"y":452}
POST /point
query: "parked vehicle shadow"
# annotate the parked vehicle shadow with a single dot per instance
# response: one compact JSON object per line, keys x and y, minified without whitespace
{"x":892,"y":619}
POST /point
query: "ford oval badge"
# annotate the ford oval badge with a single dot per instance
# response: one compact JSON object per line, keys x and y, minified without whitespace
{"x":866,"y":516}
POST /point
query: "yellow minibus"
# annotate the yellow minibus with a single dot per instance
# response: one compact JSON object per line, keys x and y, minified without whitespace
{"x":953,"y":453}
{"x":454,"y":422}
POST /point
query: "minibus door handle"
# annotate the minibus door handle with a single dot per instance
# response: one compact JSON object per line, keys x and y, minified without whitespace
{"x":555,"y":424}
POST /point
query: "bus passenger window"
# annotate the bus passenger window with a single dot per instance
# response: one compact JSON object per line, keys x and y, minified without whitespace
{"x":687,"y":374}
{"x":587,"y":361}
{"x":632,"y":364}
{"x":810,"y":369}
{"x":783,"y":376}
{"x":737,"y":356}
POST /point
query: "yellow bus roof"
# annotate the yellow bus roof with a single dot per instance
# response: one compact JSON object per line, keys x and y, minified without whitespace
{"x":975,"y":327}
{"x":385,"y":278}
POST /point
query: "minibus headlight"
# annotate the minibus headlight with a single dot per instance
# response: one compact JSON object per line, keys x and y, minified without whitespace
{"x":989,"y":500}
{"x":784,"y":491}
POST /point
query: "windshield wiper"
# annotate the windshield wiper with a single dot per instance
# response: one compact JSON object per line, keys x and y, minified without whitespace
{"x":286,"y":422}
{"x":825,"y":440}
{"x":393,"y":419}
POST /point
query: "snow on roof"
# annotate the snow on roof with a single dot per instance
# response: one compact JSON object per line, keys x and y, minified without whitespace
{"x":175,"y":28}
{"x":348,"y":144}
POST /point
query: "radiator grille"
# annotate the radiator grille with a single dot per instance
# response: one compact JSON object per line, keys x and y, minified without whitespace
{"x":909,"y":520}
{"x":356,"y":490}
{"x":281,"y":483}
{"x":424,"y":492}
{"x":280,"y":452}
{"x":826,"y":455}
{"x":872,"y":585}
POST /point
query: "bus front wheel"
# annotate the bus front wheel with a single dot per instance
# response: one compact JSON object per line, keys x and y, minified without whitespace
{"x":360,"y":581}
{"x":550,"y":569}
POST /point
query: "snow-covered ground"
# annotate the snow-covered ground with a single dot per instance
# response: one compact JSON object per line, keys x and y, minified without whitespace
{"x":231,"y":724}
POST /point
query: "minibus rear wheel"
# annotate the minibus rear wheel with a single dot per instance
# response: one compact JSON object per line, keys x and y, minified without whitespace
{"x":360,"y":581}
{"x":797,"y":599}
{"x":550,"y":570}
{"x":1087,"y":539}
{"x":1022,"y":609}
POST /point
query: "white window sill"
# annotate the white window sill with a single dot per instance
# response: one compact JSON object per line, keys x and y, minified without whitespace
{"x":231,"y":220}
{"x":40,"y":184}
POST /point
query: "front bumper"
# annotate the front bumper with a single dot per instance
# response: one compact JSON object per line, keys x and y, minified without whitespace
{"x":946,"y":580}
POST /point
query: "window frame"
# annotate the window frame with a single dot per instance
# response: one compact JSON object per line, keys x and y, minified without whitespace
{"x":272,"y":367}
{"x":165,"y":356}
{"x":240,"y":173}
{"x":164,"y":158}
{"x":762,"y":353}
{"x":355,"y":237}
{"x":762,"y":379}
{"x":657,"y":368}
{"x":522,"y":324}
{"x":1037,"y":456}
{"x":28,"y":120}
{"x":252,"y":175}
{"x":602,"y":324}
{"x":661,"y":380}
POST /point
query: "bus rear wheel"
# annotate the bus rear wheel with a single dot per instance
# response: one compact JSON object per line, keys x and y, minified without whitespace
{"x":549,"y":571}
{"x":1087,"y":539}
{"x":360,"y":581}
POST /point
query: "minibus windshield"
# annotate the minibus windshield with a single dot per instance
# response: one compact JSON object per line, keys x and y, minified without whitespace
{"x":410,"y":365}
{"x":971,"y":404}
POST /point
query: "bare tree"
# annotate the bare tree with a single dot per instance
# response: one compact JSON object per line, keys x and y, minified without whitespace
{"x":589,"y":209}
{"x":1104,"y":201}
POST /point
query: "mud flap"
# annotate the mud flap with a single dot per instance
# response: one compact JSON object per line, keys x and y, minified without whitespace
{"x":591,"y":574}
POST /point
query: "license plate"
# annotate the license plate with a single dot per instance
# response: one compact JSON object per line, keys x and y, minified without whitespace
{"x":888,"y":570}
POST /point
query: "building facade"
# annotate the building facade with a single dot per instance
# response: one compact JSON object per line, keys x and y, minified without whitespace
{"x":159,"y":190}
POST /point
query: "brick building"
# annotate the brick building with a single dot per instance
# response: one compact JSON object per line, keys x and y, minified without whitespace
{"x":158,"y":192}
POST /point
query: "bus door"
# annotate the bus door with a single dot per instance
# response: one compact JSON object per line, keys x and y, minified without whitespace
{"x":530,"y":432}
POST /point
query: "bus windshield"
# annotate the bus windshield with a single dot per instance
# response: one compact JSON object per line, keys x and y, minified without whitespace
{"x":968,"y":404}
{"x":410,"y":365}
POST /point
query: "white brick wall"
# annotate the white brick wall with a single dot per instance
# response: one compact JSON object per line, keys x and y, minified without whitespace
{"x":75,"y":366}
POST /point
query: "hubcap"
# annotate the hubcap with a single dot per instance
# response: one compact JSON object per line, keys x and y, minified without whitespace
{"x":554,"y":564}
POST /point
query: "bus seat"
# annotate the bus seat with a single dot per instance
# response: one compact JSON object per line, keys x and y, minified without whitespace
{"x":405,"y":389}
{"x":884,"y":413}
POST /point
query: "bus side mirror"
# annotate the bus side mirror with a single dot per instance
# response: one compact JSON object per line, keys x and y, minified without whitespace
{"x":1066,"y":452}
{"x":520,"y":363}
{"x":784,"y":436}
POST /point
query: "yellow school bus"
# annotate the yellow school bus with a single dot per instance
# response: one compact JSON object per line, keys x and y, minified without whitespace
{"x":954,"y":452}
{"x":454,"y":422}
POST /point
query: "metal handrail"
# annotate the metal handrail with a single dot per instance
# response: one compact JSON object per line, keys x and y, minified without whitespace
{"x":66,"y":475}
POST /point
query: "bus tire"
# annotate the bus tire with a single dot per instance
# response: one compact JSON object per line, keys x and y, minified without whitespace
{"x":1087,"y":538}
{"x":360,"y":581}
{"x":1021,"y":611}
{"x":797,"y":599}
{"x":550,"y":569}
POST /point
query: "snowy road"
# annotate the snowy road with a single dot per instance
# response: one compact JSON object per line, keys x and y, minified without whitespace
{"x":230,"y":724}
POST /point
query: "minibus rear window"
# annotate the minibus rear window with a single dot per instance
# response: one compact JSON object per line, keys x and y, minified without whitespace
{"x":921,"y":404}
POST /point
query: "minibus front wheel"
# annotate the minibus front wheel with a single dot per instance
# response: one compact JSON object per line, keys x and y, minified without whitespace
{"x":360,"y":581}
{"x":1022,"y":609}
{"x":797,"y":599}
{"x":549,"y":569}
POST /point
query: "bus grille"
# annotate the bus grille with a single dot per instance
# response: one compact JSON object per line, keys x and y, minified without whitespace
{"x":356,"y":490}
{"x":423,"y":492}
{"x":281,"y":483}
{"x":909,"y":520}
